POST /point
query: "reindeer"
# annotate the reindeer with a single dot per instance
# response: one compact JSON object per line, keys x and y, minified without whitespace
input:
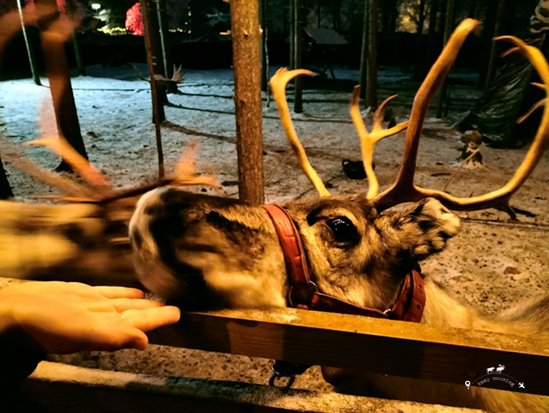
{"x":207,"y":252}
{"x":210,"y":252}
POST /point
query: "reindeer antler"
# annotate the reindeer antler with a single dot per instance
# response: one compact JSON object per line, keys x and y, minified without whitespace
{"x":404,"y":190}
{"x":278,"y":84}
{"x":368,"y":140}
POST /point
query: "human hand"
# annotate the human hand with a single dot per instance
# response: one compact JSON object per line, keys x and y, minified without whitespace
{"x":60,"y":318}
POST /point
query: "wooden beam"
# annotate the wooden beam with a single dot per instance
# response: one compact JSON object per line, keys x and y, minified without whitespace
{"x":380,"y":346}
{"x":58,"y":388}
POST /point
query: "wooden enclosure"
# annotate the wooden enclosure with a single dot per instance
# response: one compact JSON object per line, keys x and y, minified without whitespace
{"x":338,"y":340}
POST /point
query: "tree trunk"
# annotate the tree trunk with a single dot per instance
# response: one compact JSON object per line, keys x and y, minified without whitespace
{"x":154,"y":62}
{"x":500,"y":17}
{"x":388,"y":16}
{"x":420,"y":56}
{"x":247,"y":98}
{"x":5,"y":189}
{"x":448,"y":28}
{"x":155,"y":58}
{"x":57,"y":68}
{"x":165,"y":45}
{"x":487,"y":41}
{"x":371,"y":92}
{"x":291,"y":15}
{"x":432,"y":33}
{"x":263,"y":22}
{"x":363,"y":81}
{"x":337,"y":8}
{"x":298,"y":32}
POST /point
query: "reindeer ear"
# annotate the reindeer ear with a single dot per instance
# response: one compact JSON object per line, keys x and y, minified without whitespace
{"x":367,"y":206}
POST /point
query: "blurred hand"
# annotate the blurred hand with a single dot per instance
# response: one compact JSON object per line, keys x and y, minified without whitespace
{"x":61,"y":317}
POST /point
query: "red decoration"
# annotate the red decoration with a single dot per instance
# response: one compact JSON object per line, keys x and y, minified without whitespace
{"x":134,"y":23}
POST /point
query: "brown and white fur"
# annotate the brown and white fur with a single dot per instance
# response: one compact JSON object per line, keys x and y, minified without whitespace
{"x":206,"y":252}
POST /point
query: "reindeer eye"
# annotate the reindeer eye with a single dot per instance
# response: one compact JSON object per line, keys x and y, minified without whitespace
{"x":343,"y":229}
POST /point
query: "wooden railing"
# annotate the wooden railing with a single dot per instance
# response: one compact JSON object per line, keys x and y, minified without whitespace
{"x":337,"y":340}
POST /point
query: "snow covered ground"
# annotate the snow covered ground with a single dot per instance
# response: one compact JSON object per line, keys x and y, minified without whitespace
{"x":489,"y":265}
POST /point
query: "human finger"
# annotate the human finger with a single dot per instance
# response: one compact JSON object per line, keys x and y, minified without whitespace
{"x":152,"y":318}
{"x":125,"y":337}
{"x":119,"y":292}
{"x":124,"y":304}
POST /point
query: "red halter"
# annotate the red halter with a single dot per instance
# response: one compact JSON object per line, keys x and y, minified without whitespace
{"x":304,"y":293}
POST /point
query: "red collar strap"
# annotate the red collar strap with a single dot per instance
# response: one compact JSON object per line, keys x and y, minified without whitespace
{"x":304,"y":293}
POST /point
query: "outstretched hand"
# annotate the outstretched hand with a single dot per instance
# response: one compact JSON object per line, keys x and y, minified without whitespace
{"x":60,"y":318}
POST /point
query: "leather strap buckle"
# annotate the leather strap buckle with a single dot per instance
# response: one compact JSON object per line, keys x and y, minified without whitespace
{"x":302,"y":293}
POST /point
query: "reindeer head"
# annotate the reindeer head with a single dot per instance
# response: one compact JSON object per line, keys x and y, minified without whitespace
{"x":211,"y":252}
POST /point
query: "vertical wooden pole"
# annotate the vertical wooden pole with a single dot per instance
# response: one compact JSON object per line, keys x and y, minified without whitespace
{"x":28,"y":44}
{"x":298,"y":32}
{"x":371,"y":92}
{"x":489,"y":25}
{"x":500,"y":22}
{"x":291,"y":15}
{"x":364,"y":51}
{"x":448,"y":28}
{"x":247,"y":99}
{"x":165,"y":44}
{"x":263,"y":45}
{"x":153,"y":46}
{"x":432,"y":33}
{"x":420,"y":56}
{"x":157,"y":104}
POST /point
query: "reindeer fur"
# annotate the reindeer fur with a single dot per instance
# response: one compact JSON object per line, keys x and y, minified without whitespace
{"x":208,"y":252}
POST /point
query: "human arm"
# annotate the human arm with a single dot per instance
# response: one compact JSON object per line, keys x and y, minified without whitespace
{"x":59,"y":317}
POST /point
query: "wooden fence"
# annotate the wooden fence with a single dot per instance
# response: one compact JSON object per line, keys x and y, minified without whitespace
{"x":338,"y":340}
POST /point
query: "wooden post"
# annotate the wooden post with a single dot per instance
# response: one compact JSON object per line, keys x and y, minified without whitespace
{"x":432,"y":32}
{"x":298,"y":32}
{"x":57,"y":68}
{"x":155,"y":60}
{"x":371,"y":92}
{"x":500,"y":21}
{"x":247,"y":99}
{"x":263,"y":22}
{"x":5,"y":189}
{"x":157,"y":103}
{"x":448,"y":28}
{"x":29,"y":46}
{"x":165,"y":45}
{"x":420,"y":55}
{"x":291,"y":16}
{"x":489,"y":27}
{"x":364,"y":51}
